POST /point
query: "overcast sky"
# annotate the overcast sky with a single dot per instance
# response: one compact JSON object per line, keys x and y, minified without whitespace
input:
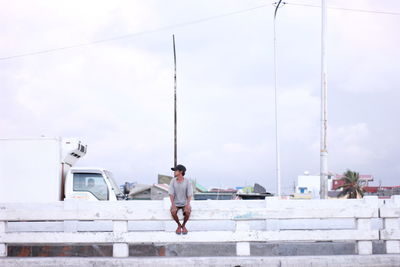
{"x":117,"y":96}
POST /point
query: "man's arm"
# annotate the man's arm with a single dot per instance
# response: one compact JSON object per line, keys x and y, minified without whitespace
{"x":189,"y":195}
{"x":171,"y":193}
{"x":188,"y":200}
{"x":172,"y":197}
{"x":173,"y":206}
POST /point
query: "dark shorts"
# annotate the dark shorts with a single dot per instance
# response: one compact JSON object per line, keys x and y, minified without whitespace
{"x":182,"y":208}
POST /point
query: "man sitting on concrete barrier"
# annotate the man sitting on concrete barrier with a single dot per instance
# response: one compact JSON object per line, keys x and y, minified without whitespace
{"x":180,"y":193}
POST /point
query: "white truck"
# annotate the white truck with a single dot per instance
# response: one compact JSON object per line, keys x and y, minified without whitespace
{"x":40,"y":170}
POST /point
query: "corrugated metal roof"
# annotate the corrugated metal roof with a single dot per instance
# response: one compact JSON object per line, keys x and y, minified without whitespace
{"x":164,"y":187}
{"x":138,"y":189}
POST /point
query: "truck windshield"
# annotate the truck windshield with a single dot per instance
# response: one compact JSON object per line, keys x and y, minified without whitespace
{"x":110,"y":176}
{"x":91,"y":182}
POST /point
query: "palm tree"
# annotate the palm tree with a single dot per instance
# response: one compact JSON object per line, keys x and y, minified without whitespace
{"x":352,"y":187}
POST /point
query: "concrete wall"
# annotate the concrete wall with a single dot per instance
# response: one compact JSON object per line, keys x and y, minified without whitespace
{"x":256,"y":227}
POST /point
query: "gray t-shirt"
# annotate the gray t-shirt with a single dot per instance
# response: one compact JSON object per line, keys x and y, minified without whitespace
{"x":181,"y":191}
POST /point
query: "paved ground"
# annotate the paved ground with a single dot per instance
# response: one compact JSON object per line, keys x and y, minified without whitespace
{"x":288,"y":261}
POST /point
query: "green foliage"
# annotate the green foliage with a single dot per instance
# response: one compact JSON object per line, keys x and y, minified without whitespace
{"x":352,"y":187}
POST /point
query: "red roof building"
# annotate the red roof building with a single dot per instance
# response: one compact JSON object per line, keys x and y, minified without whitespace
{"x":338,"y":181}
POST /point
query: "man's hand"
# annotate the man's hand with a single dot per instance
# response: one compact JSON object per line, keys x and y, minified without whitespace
{"x":188,"y":208}
{"x":173,"y":207}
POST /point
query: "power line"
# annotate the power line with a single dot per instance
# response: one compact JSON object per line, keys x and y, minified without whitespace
{"x":131,"y":35}
{"x":346,"y":9}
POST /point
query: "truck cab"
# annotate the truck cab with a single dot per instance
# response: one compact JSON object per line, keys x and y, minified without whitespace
{"x":91,"y":183}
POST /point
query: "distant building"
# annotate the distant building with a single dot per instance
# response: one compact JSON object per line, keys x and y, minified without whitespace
{"x":214,"y":196}
{"x":159,"y":191}
{"x":382,"y":191}
{"x":148,"y":192}
{"x":308,"y":186}
{"x":166,"y":179}
{"x":338,"y":180}
{"x":140,"y":192}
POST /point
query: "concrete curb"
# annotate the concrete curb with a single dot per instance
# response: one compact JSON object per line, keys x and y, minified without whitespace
{"x":289,"y":261}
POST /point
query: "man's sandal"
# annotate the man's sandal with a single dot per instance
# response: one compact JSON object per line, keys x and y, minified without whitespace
{"x":178,"y":231}
{"x":184,"y":231}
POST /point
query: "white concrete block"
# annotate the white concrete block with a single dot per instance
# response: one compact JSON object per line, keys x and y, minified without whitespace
{"x":3,"y":227}
{"x":3,"y":250}
{"x":35,"y":227}
{"x":311,"y":224}
{"x":390,"y":234}
{"x":242,"y":225}
{"x":376,"y":223}
{"x":272,"y":202}
{"x":389,"y":210}
{"x":243,"y":249}
{"x":120,"y":226}
{"x":395,"y":200}
{"x":392,"y":223}
{"x":393,"y":246}
{"x":272,"y":225}
{"x":3,"y":247}
{"x":363,"y":224}
{"x":258,"y":225}
{"x":364,"y":247}
{"x":166,"y":203}
{"x":170,"y":226}
{"x":95,"y":226}
{"x":120,"y":250}
{"x":373,"y":200}
{"x":71,"y":204}
{"x":71,"y":226}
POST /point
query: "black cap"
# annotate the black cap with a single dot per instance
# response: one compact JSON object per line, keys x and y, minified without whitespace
{"x":179,"y":168}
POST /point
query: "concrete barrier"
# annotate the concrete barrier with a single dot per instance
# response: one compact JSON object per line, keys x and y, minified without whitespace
{"x":390,"y":213}
{"x":242,"y":222}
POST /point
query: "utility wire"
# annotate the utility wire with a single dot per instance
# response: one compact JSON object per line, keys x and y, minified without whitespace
{"x":346,"y":9}
{"x":131,"y":35}
{"x":179,"y":25}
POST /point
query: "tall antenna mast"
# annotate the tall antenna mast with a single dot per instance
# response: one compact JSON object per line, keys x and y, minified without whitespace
{"x":278,"y":167}
{"x":175,"y":115}
{"x":324,"y":105}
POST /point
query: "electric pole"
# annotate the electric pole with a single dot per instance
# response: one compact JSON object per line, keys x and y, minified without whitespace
{"x":277,"y":149}
{"x":324,"y":106}
{"x":175,"y":112}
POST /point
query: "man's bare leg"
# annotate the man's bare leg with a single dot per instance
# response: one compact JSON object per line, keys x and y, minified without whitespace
{"x":174,"y":213}
{"x":185,"y":220}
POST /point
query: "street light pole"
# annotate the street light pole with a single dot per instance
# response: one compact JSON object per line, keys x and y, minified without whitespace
{"x":277,"y":148}
{"x":175,"y":112}
{"x":324,"y":105}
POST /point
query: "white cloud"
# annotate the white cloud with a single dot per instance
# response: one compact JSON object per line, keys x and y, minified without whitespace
{"x":117,"y":96}
{"x":351,"y":146}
